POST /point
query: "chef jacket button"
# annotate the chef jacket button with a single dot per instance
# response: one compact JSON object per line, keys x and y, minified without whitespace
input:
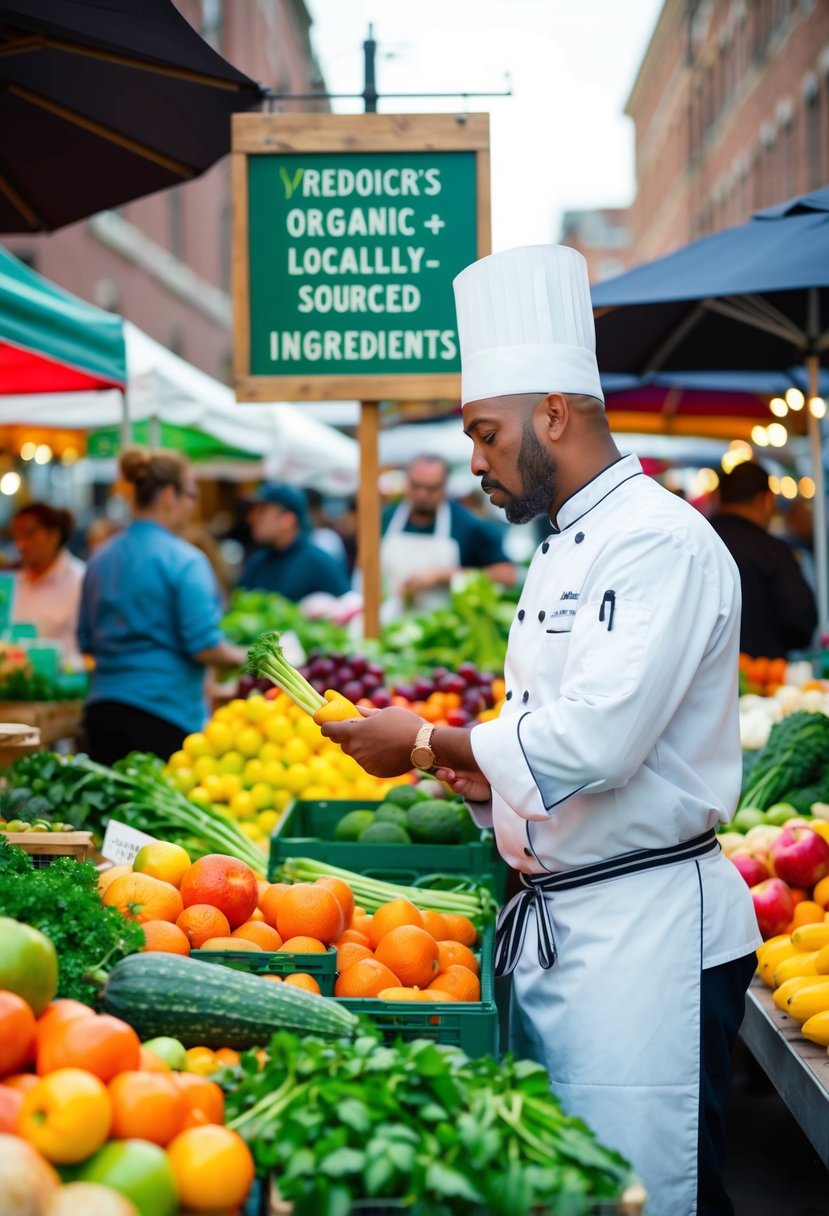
{"x":542,"y":615}
{"x":528,"y":852}
{"x":545,"y":546}
{"x":520,"y":614}
{"x":508,"y":696}
{"x":578,"y":538}
{"x":525,"y":696}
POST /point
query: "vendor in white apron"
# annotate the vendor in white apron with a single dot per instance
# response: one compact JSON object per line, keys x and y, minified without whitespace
{"x":417,"y":565}
{"x":617,"y":752}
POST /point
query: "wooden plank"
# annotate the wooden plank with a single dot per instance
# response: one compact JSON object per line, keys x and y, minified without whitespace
{"x":342,"y":388}
{"x":305,"y":132}
{"x":239,"y":264}
{"x":56,"y":844}
{"x":798,"y":1069}
{"x":368,"y":516}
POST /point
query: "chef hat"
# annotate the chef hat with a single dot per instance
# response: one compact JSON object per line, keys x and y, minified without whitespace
{"x":525,"y":324}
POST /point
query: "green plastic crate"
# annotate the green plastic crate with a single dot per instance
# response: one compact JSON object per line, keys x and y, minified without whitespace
{"x":323,"y":967}
{"x":306,"y":829}
{"x":473,"y":1027}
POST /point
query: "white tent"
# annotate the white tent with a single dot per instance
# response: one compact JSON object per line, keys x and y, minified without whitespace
{"x":292,"y":445}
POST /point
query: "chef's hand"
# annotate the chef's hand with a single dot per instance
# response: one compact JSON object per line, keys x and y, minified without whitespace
{"x":473,"y":787}
{"x":381,"y":741}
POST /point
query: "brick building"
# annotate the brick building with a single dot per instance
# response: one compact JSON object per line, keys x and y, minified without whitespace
{"x":164,"y":261}
{"x":731,"y":108}
{"x":601,"y":235}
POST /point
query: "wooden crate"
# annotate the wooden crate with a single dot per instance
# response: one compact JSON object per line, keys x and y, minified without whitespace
{"x":632,"y":1203}
{"x":54,"y":719}
{"x":45,"y":847}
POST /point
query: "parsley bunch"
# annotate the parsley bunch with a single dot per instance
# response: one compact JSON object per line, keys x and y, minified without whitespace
{"x":62,"y":901}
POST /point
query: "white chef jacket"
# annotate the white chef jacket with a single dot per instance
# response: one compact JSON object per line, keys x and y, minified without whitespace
{"x":620,"y":730}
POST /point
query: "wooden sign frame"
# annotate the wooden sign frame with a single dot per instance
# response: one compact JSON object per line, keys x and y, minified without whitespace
{"x":260,"y":134}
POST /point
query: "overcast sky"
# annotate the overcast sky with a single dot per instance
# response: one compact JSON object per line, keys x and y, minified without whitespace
{"x":561,"y":141}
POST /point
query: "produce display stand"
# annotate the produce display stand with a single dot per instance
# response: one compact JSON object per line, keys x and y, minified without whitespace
{"x":323,"y":967}
{"x":54,"y":719}
{"x":798,"y":1069}
{"x":44,"y":847}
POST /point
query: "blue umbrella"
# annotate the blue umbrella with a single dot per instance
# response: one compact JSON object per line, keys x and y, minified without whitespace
{"x":750,"y":298}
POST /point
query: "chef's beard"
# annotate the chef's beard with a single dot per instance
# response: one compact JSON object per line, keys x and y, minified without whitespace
{"x":539,"y":475}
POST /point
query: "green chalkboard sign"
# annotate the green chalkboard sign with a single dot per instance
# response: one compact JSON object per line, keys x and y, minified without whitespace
{"x":348,"y":234}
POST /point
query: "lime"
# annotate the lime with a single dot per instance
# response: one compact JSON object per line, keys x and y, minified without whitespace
{"x":352,"y":824}
{"x":404,"y":795}
{"x":384,"y":833}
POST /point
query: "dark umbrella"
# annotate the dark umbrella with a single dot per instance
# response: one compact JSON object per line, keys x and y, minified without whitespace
{"x":103,"y":101}
{"x":754,"y":297}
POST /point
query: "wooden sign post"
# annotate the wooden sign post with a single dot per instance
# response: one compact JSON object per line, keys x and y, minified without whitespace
{"x":347,"y":233}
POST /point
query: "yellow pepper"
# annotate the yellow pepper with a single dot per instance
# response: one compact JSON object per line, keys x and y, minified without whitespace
{"x":337,"y":708}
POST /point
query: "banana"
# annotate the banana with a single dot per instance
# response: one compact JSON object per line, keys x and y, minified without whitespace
{"x":811,"y":937}
{"x":808,"y":1001}
{"x":816,"y":1028}
{"x":770,"y":942}
{"x":798,"y":964}
{"x":773,"y":957}
{"x":781,"y":995}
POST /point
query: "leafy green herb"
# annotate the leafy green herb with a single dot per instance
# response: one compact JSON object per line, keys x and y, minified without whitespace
{"x":62,"y":901}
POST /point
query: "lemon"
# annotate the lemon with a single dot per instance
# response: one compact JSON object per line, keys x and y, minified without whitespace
{"x":267,"y":820}
{"x":223,"y":714}
{"x":275,"y":775}
{"x":256,"y":708}
{"x":252,"y":830}
{"x":220,"y":737}
{"x":307,"y":730}
{"x":205,"y":766}
{"x":254,"y":771}
{"x":184,"y":779}
{"x":232,"y":762}
{"x":262,"y":795}
{"x":313,"y":793}
{"x":200,"y":795}
{"x":242,"y":805}
{"x":270,"y":751}
{"x":297,"y":777}
{"x":281,"y":798}
{"x":248,"y":741}
{"x":296,"y":751}
{"x":196,"y":745}
{"x":179,"y":759}
{"x":230,"y":787}
{"x":278,"y":728}
{"x":211,"y":783}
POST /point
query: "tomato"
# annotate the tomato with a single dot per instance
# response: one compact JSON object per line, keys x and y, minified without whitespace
{"x":17,"y":1033}
{"x":137,"y":1169}
{"x":20,"y":1080}
{"x":66,"y":1116}
{"x":11,"y":1101}
{"x":147,"y":1106}
{"x":28,"y":963}
{"x":103,"y":1045}
{"x":203,"y":1096}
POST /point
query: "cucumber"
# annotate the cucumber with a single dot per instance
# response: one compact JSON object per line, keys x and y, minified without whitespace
{"x":201,"y":1003}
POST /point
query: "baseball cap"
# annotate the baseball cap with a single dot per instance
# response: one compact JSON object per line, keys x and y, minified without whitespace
{"x":291,"y":498}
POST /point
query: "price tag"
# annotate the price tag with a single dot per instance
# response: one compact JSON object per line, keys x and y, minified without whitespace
{"x":121,"y":843}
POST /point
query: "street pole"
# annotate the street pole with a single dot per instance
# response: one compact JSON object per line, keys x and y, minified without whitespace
{"x":370,"y":83}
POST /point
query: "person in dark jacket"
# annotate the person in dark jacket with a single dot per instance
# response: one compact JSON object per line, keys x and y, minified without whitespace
{"x":778,"y":612}
{"x":285,"y":560}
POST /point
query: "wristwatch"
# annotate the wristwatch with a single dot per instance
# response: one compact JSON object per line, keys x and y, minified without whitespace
{"x":422,"y":756}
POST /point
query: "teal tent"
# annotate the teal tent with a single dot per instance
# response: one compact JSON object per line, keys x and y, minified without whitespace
{"x":52,"y":341}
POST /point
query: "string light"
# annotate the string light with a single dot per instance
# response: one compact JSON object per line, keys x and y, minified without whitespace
{"x":795,"y":399}
{"x":806,"y":486}
{"x":778,"y":407}
{"x":759,"y":436}
{"x":788,"y":487}
{"x":27,"y":451}
{"x":774,"y":483}
{"x":43,"y":453}
{"x":777,"y":434}
{"x":817,"y":407}
{"x":9,"y":484}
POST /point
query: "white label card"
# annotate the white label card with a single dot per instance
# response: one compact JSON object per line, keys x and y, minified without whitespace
{"x":121,"y":843}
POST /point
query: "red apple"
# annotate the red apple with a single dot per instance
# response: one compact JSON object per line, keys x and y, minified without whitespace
{"x":800,"y":856}
{"x":773,"y":906}
{"x":753,"y":869}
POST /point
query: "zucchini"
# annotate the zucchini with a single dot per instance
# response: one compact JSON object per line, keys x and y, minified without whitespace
{"x":201,"y":1003}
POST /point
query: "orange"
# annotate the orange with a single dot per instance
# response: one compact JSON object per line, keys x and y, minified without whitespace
{"x":821,"y":892}
{"x":460,"y":928}
{"x":275,"y":979}
{"x":343,"y":894}
{"x":361,"y":921}
{"x":365,"y":979}
{"x":213,"y":1167}
{"x":303,"y":945}
{"x":301,"y":979}
{"x":226,"y":883}
{"x":807,"y":912}
{"x":256,"y":914}
{"x":390,"y":916}
{"x":414,"y":994}
{"x":262,"y":887}
{"x":434,"y":923}
{"x":260,"y":934}
{"x":411,"y":953}
{"x":309,"y":909}
{"x":351,"y":952}
{"x":102,"y":1045}
{"x":66,"y":1116}
{"x":200,"y":1093}
{"x":17,"y":1033}
{"x":146,"y":1106}
{"x":456,"y":953}
{"x":201,"y":1060}
{"x":270,"y":900}
{"x":11,"y":1102}
{"x":108,"y":876}
{"x":161,"y":935}
{"x":229,"y":943}
{"x":201,"y":921}
{"x":459,"y":982}
{"x":227,"y":1056}
{"x":20,"y":1081}
{"x":352,"y":935}
{"x":140,"y":897}
{"x":163,"y":859}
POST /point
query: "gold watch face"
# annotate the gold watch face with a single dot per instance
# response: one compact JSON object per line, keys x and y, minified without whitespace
{"x":423,"y":757}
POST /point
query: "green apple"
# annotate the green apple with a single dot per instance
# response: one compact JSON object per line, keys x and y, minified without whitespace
{"x":170,"y":1050}
{"x":747,"y":817}
{"x":138,"y":1169}
{"x":781,"y":812}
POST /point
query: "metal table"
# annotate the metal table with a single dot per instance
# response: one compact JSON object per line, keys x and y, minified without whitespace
{"x":798,"y":1069}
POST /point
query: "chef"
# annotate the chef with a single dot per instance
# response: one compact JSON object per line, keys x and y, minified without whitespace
{"x":617,"y":752}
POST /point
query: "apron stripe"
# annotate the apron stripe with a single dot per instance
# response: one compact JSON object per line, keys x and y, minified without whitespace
{"x":511,"y":926}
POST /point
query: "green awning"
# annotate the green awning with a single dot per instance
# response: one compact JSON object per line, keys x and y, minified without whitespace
{"x":194,"y":444}
{"x":52,"y":341}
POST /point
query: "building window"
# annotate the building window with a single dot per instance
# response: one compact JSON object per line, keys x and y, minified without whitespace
{"x":788,"y":168}
{"x":811,"y":135}
{"x":176,"y":223}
